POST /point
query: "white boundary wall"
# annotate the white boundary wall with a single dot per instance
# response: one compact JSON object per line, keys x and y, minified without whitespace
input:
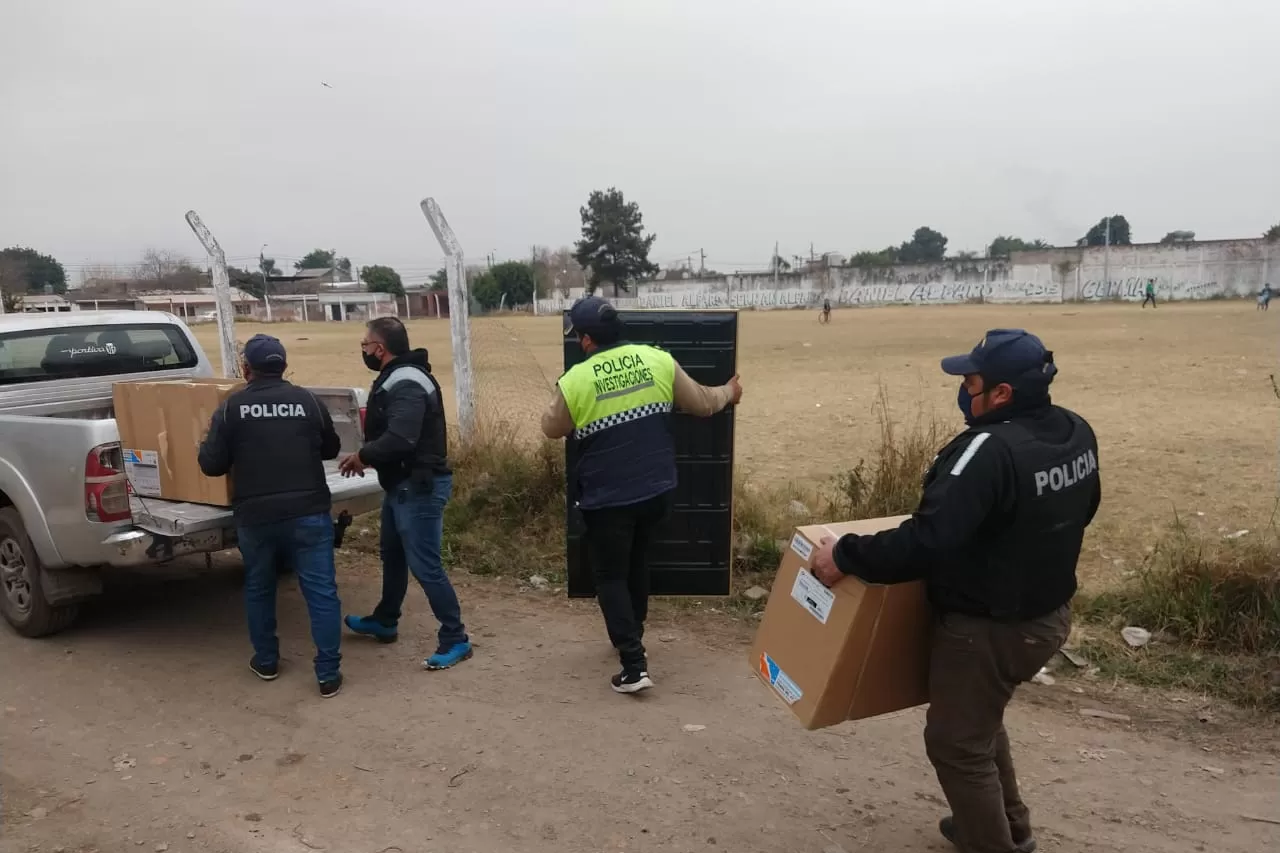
{"x":1222,"y":269}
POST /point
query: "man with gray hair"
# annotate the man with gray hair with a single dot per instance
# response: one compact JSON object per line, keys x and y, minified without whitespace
{"x":406,"y":443}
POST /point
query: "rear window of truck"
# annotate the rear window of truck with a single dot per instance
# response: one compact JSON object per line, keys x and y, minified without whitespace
{"x":85,"y":351}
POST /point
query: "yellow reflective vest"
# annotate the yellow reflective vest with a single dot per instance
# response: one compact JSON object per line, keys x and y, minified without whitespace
{"x":619,"y":399}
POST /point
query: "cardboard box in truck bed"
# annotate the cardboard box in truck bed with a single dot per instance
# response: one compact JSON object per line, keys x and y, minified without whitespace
{"x":161,"y":426}
{"x":853,"y":651}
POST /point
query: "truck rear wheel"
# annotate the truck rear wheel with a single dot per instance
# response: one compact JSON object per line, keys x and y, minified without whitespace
{"x":22,"y":598}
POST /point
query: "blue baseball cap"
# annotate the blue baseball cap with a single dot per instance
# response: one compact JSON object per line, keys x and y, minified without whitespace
{"x":590,"y":314}
{"x":265,"y":353}
{"x":1005,"y":355}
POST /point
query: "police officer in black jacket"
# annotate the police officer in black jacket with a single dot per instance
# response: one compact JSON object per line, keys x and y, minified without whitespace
{"x":407,"y":444}
{"x":996,"y":536}
{"x":273,"y":438}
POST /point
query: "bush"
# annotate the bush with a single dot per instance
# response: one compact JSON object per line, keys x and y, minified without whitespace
{"x":507,"y":512}
{"x":892,"y":482}
{"x":1213,"y":606}
{"x":1219,"y":595}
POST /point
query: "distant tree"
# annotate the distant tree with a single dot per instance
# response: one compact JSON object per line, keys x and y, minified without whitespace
{"x":1097,"y":235}
{"x":440,"y":279}
{"x":779,"y":264}
{"x":161,"y":269}
{"x":382,"y":279}
{"x":13,"y":283}
{"x":1003,"y":247}
{"x":925,"y":246}
{"x":485,"y":290}
{"x":38,"y":270}
{"x":1178,"y":237}
{"x":555,"y":270}
{"x":886,"y":257}
{"x":323,"y":259}
{"x":158,"y":265}
{"x":247,"y":280}
{"x":613,"y":247}
{"x":558,"y":271}
{"x":1272,"y":234}
{"x":267,"y":266}
{"x":515,"y":280}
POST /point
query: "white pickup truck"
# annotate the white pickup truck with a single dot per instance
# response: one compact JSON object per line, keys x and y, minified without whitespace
{"x":66,"y":510}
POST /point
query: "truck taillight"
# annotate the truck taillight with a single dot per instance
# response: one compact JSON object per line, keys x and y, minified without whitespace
{"x":106,"y":490}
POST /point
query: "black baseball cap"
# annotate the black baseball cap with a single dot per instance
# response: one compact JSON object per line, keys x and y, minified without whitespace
{"x":589,"y":315}
{"x":265,"y":353}
{"x":1005,"y":355}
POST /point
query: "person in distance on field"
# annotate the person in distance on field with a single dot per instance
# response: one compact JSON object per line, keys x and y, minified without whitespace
{"x":407,"y":444}
{"x":996,"y":537}
{"x":615,"y":404}
{"x":274,"y":437}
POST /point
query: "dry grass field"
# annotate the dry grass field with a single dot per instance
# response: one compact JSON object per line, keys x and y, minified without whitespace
{"x":1181,"y":397}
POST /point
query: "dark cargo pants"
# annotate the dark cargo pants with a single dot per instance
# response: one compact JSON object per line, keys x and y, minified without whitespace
{"x":618,"y":541}
{"x":975,"y":666}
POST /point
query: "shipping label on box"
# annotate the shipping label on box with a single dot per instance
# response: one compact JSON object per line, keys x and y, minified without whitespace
{"x":142,"y":469}
{"x":776,"y":678}
{"x":810,"y":594}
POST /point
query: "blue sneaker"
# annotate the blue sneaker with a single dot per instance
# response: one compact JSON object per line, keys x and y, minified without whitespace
{"x":367,"y":626}
{"x":447,"y":656}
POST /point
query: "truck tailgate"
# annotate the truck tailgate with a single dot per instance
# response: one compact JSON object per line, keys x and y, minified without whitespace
{"x":355,"y":495}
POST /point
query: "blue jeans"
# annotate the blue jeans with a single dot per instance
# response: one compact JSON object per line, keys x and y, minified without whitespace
{"x":412,"y":530}
{"x":307,"y":544}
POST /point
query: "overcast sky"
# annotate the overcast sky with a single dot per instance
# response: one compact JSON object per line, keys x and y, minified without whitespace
{"x":732,"y":123}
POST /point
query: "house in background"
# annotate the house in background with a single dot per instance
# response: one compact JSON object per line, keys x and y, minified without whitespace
{"x":188,"y":304}
{"x":42,"y":303}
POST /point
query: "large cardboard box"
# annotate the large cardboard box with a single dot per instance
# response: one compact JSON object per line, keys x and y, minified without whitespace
{"x":853,"y":651}
{"x":161,"y":426}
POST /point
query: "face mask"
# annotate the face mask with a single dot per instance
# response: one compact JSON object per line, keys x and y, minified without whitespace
{"x":371,"y":361}
{"x":965,"y":401}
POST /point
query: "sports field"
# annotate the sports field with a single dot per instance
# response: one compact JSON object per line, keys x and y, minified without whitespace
{"x":1181,"y":397}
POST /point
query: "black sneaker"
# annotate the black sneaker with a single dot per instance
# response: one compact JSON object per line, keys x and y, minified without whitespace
{"x":631,"y":681}
{"x":947,"y":826}
{"x":263,"y":671}
{"x":331,"y":688}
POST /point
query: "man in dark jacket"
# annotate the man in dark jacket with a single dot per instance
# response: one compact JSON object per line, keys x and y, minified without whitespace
{"x":996,"y":536}
{"x":407,"y":445}
{"x":273,"y":437}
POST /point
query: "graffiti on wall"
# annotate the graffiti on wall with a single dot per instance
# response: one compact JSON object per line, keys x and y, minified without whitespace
{"x":1134,"y":288}
{"x":712,"y":297}
{"x":742,"y":299}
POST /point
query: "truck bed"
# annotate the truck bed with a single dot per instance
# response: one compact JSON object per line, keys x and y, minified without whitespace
{"x":355,"y":495}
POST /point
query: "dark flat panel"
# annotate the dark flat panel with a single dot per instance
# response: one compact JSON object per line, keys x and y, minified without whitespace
{"x":693,"y":549}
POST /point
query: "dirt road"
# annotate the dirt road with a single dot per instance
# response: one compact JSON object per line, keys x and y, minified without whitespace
{"x":143,"y":730}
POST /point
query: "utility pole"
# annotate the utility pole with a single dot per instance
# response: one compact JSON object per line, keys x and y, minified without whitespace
{"x":1106,"y":260}
{"x":266,"y":292}
{"x":777,"y":262}
{"x":702,"y":262}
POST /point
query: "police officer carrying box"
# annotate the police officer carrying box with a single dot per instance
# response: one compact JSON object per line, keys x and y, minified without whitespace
{"x":274,"y":437}
{"x":996,"y":536}
{"x":615,"y":404}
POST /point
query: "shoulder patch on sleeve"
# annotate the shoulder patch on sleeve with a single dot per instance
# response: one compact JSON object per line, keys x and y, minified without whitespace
{"x":969,"y":452}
